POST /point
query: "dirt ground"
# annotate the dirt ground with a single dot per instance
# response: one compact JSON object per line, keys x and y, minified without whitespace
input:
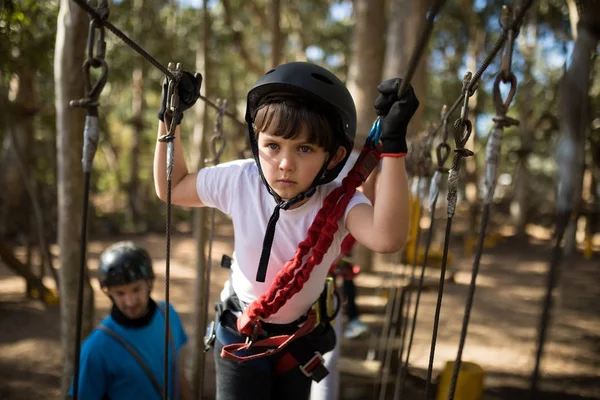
{"x":501,"y":339}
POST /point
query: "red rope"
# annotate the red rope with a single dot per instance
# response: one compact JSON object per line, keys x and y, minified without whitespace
{"x":294,"y":274}
{"x":347,"y":245}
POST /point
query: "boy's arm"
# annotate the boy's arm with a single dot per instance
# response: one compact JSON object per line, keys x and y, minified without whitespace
{"x":383,"y":227}
{"x":183,"y":183}
{"x":368,"y":187}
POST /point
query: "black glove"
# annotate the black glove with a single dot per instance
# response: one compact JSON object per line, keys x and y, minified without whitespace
{"x":395,"y":115}
{"x":188,"y":90}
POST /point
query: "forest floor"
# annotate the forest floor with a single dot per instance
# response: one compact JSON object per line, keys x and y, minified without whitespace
{"x":501,"y":338}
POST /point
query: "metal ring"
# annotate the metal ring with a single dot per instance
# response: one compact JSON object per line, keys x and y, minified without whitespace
{"x":461,"y":139}
{"x":93,"y":92}
{"x":443,"y":152}
{"x":502,"y":104}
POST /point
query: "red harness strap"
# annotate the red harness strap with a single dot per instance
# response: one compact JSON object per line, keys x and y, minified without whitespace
{"x":312,"y":366}
{"x":274,"y":344}
{"x":294,"y":274}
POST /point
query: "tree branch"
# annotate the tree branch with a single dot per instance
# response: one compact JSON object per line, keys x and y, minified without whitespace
{"x":238,"y":40}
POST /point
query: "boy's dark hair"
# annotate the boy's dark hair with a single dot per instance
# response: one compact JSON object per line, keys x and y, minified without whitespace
{"x":287,"y":118}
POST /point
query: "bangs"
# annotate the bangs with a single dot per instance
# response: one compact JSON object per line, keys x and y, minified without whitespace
{"x":289,"y":119}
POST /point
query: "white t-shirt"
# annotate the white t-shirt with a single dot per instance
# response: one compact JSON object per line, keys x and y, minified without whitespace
{"x":236,"y":189}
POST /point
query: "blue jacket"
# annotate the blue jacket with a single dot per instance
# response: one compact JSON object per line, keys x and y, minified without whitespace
{"x":108,"y":370}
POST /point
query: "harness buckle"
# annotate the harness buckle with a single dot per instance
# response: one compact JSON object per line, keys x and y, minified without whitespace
{"x":314,"y":368}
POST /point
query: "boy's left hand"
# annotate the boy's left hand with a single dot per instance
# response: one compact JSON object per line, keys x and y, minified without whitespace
{"x":395,"y":115}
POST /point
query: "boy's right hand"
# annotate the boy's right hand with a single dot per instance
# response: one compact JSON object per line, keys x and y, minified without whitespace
{"x":188,"y":91}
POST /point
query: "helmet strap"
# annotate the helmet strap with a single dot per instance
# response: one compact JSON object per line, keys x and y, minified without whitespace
{"x":265,"y":255}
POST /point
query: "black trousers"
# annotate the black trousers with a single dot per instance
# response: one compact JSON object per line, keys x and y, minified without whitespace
{"x":256,"y":379}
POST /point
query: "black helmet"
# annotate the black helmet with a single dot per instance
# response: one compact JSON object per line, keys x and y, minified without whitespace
{"x":320,"y":88}
{"x":124,"y":263}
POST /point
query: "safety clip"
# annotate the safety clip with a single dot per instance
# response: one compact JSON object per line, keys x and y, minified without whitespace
{"x":256,"y":329}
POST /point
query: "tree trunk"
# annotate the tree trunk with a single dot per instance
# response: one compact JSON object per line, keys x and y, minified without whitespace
{"x":239,"y":44}
{"x":402,"y":34}
{"x":298,"y":30}
{"x":276,"y":36}
{"x":575,"y":107}
{"x":364,"y":71}
{"x":200,"y":215}
{"x":133,"y":188}
{"x":364,"y":74}
{"x":68,"y":57}
{"x":575,"y":112}
{"x":24,"y":204}
{"x":573,"y":17}
{"x":16,"y":145}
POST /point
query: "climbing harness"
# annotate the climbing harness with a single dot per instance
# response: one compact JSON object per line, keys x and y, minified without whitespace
{"x":501,"y":121}
{"x":95,"y":59}
{"x":297,"y":344}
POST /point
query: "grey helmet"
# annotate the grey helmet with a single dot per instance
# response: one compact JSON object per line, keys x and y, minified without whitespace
{"x":123,"y":263}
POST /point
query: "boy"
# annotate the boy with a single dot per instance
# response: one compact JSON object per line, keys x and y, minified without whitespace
{"x":123,"y":358}
{"x":301,"y":124}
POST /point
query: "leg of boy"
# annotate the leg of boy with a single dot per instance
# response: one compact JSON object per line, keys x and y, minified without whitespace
{"x":291,"y":385}
{"x":247,"y":381}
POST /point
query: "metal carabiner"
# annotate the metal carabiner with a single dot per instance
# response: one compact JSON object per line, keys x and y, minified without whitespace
{"x":464,"y":111}
{"x":256,"y":329}
{"x":96,"y":49}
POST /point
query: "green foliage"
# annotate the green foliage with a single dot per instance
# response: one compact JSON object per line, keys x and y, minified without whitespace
{"x":171,"y":32}
{"x":27,"y":29}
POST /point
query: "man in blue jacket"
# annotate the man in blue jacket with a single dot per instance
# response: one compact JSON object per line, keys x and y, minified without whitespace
{"x":123,"y":358}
